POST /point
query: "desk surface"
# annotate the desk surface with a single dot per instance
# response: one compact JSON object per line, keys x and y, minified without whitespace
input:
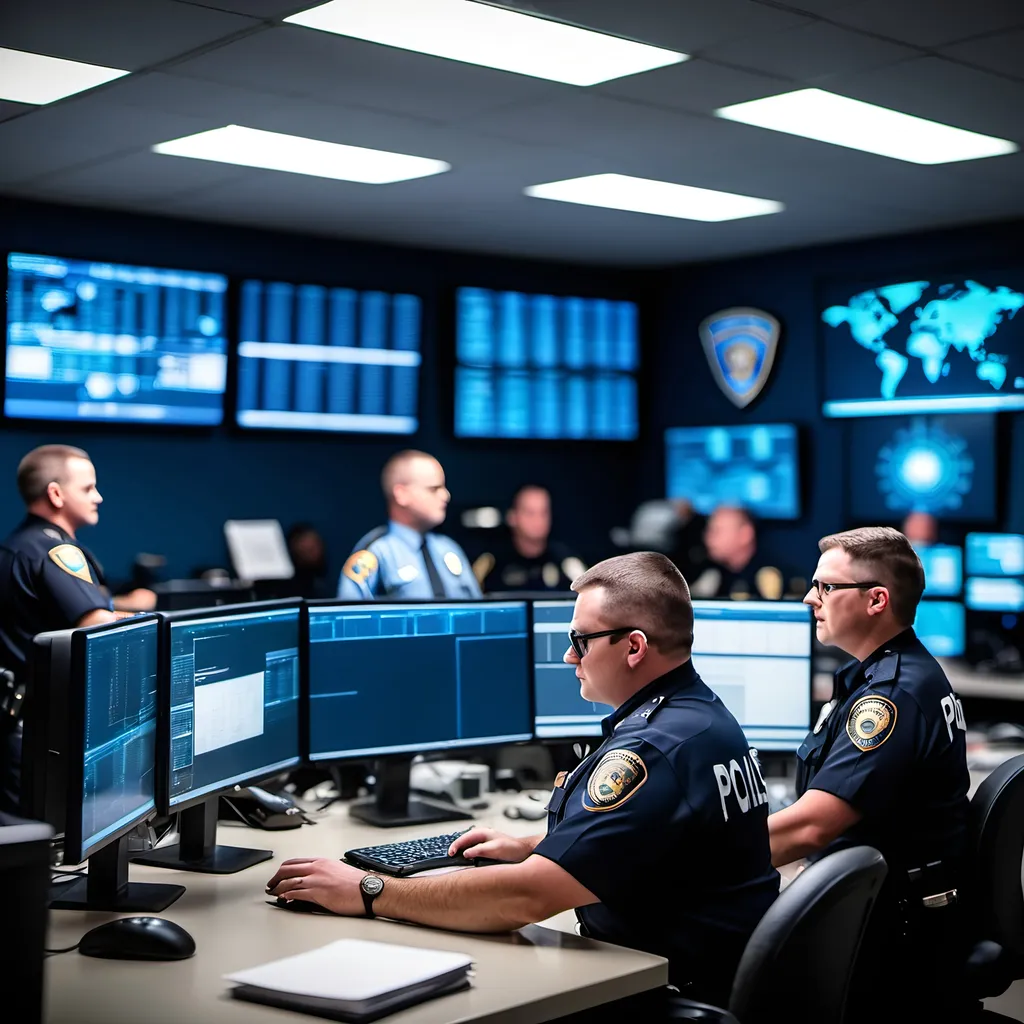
{"x":969,"y":683}
{"x":541,"y":972}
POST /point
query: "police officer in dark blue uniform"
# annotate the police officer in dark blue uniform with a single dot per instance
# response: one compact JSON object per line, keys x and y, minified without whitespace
{"x":886,"y":766}
{"x":659,"y":836}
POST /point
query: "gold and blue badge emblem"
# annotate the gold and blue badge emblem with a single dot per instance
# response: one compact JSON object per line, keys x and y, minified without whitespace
{"x":871,"y":722}
{"x":360,"y":566}
{"x":740,"y":344}
{"x":72,"y":561}
{"x":615,"y":778}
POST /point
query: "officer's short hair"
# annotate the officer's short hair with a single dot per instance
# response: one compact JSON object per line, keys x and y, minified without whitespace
{"x":394,"y":468}
{"x":644,"y":589}
{"x":42,"y":466}
{"x":887,"y":556}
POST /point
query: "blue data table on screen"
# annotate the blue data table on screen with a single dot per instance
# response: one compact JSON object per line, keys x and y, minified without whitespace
{"x":943,"y":569}
{"x":995,"y":554}
{"x":994,"y":595}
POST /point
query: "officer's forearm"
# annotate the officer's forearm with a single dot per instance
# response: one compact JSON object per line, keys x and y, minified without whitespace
{"x":808,"y":826}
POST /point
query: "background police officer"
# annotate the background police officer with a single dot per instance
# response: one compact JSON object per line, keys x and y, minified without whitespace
{"x":658,"y":837}
{"x":47,"y":579}
{"x":886,"y":766}
{"x":406,"y":558}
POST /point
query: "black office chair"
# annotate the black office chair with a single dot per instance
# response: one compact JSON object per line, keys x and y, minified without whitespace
{"x":798,"y":963}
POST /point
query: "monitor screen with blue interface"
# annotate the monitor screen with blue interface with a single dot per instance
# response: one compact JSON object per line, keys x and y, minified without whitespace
{"x":1015,"y":512}
{"x":940,"y":627}
{"x":234,"y":699}
{"x":101,"y":341}
{"x":944,"y":465}
{"x":401,"y":679}
{"x":755,"y":467}
{"x":119,"y":768}
{"x":331,"y":359}
{"x":994,"y":595}
{"x":995,"y":554}
{"x":756,"y":655}
{"x":540,"y":366}
{"x":949,"y":344}
{"x":943,"y":569}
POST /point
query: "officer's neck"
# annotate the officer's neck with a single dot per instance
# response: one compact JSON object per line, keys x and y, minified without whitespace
{"x":44,"y":510}
{"x":865,"y":646}
{"x":405,"y":518}
{"x":528,"y":547}
{"x":651,"y":670}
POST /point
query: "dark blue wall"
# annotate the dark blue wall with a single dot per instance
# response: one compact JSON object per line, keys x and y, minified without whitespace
{"x":169,"y":491}
{"x":786,"y":284}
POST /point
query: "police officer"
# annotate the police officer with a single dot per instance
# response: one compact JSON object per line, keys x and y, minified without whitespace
{"x":528,"y":559}
{"x":405,"y":559}
{"x":737,"y":570}
{"x":658,"y":837}
{"x":47,"y":579}
{"x":886,"y":766}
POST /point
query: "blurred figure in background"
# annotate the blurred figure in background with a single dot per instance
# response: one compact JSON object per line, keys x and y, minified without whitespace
{"x":309,"y":556}
{"x":921,"y":529}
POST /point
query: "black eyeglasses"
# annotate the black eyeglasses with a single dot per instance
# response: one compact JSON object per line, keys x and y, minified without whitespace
{"x":827,"y":588}
{"x":579,"y":640}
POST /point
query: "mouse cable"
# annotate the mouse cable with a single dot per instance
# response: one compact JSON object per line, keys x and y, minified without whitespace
{"x":60,"y":871}
{"x":66,"y":949}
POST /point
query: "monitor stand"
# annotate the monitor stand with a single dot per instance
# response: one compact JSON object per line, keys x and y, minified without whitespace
{"x":106,"y":886}
{"x":197,"y":848}
{"x":391,"y":804}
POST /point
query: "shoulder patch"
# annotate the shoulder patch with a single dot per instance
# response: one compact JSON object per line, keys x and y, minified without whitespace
{"x":871,"y":722}
{"x":769,"y":582}
{"x":360,"y":566}
{"x":615,"y":778}
{"x":72,"y":561}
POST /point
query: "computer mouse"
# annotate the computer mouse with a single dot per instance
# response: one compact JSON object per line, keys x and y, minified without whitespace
{"x":138,"y":938}
{"x":1005,"y":732}
{"x":300,"y":906}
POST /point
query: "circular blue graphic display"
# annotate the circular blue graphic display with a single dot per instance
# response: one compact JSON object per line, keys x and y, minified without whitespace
{"x":924,"y":468}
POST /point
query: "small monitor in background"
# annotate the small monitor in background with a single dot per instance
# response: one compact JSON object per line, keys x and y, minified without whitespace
{"x":258,"y":549}
{"x":754,"y":466}
{"x":178,"y":595}
{"x":328,"y":359}
{"x":995,"y":594}
{"x":88,"y":340}
{"x":943,"y":569}
{"x":389,"y":681}
{"x":943,"y":465}
{"x":995,"y":554}
{"x":940,"y":626}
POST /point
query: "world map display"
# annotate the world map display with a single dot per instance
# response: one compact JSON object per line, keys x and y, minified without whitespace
{"x":909,"y":345}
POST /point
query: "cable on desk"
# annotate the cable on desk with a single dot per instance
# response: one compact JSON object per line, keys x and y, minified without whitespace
{"x":66,"y":949}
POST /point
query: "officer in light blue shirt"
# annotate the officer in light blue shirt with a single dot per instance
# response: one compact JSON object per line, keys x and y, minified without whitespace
{"x":405,"y":559}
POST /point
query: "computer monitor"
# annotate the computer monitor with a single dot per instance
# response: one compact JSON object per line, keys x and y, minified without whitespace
{"x":229,"y":716}
{"x":755,"y":466}
{"x":939,"y":625}
{"x":88,"y":340}
{"x":179,"y":595}
{"x":389,"y":681}
{"x":995,"y":554}
{"x":756,"y":655}
{"x":943,"y":569}
{"x":329,"y":359}
{"x":995,"y":594}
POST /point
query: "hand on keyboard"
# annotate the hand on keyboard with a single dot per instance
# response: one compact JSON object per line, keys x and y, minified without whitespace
{"x":416,"y":855}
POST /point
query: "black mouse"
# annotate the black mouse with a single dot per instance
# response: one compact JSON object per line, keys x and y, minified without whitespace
{"x":299,"y":906}
{"x":138,"y":938}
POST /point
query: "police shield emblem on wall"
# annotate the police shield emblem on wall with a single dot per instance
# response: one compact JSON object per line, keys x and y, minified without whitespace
{"x":740,"y":344}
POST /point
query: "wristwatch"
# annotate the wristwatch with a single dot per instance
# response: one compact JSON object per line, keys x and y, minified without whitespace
{"x":370,"y":887}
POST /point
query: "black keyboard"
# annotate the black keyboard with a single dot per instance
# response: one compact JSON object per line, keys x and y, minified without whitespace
{"x":408,"y":858}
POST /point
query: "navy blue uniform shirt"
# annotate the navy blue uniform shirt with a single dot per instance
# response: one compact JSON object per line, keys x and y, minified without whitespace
{"x":894,"y":746}
{"x":666,"y":823}
{"x":47,"y":581}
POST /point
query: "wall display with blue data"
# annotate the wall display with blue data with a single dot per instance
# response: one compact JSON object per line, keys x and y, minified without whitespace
{"x":943,"y":566}
{"x":756,"y":655}
{"x":396,"y":679}
{"x":313,"y":358}
{"x":1015,"y":516}
{"x":995,"y":568}
{"x":120,"y":729}
{"x":944,"y":465}
{"x":755,"y":467}
{"x":234,"y":700}
{"x":102,"y":341}
{"x":940,"y":627}
{"x":945,"y":345}
{"x":537,"y":366}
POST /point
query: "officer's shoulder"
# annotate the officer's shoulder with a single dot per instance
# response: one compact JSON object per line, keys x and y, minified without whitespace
{"x":376,"y":534}
{"x":912,"y":675}
{"x":679,"y":721}
{"x":35,"y":537}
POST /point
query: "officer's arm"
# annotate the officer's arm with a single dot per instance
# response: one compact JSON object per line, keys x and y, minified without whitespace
{"x":96,"y":617}
{"x":809,"y":825}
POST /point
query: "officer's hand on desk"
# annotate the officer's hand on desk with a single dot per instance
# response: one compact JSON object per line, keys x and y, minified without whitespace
{"x":138,"y":600}
{"x":495,"y":845}
{"x":330,"y":883}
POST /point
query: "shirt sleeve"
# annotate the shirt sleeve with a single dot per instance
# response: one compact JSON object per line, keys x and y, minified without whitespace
{"x":358,"y":580}
{"x":469,"y":579}
{"x":875,"y":750}
{"x":603,"y":840}
{"x":73,"y":590}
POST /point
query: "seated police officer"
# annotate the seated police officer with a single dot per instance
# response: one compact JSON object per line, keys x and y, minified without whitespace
{"x":47,"y":579}
{"x":406,"y":559}
{"x":527,"y":559}
{"x":658,"y":838}
{"x":886,"y":766}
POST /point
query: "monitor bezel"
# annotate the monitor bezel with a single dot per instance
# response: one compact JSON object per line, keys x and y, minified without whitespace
{"x":485,"y":743}
{"x":76,"y":848}
{"x":164,"y":802}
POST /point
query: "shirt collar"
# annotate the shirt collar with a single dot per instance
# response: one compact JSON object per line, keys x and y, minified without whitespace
{"x":850,"y":676}
{"x":413,"y":538}
{"x":32,"y":519}
{"x":673,"y":680}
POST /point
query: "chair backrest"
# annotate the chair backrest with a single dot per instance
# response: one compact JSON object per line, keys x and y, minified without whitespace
{"x":997,"y":829}
{"x":798,"y":963}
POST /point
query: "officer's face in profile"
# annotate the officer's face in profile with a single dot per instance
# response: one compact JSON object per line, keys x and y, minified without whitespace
{"x":422,"y":493}
{"x":602,"y":671}
{"x":841,"y":618}
{"x":530,"y":518}
{"x":78,"y":492}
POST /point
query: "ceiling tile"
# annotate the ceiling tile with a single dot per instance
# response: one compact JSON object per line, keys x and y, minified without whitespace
{"x":935,"y":23}
{"x":1000,"y":52}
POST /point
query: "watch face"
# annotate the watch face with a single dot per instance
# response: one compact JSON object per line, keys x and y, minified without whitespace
{"x":371,"y":885}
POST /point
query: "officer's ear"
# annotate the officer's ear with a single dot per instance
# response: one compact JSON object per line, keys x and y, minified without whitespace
{"x":638,"y":644}
{"x":54,"y":493}
{"x":879,"y":601}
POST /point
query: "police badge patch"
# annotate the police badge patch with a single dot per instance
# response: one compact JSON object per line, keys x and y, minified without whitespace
{"x":740,"y":344}
{"x":871,"y":722}
{"x":71,"y":560}
{"x":361,"y":566}
{"x":615,"y":778}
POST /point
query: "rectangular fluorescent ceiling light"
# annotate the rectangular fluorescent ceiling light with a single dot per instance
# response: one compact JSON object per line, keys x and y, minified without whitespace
{"x":841,"y":121}
{"x":660,"y":198}
{"x":35,"y":78}
{"x":251,"y":147}
{"x":493,"y":37}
